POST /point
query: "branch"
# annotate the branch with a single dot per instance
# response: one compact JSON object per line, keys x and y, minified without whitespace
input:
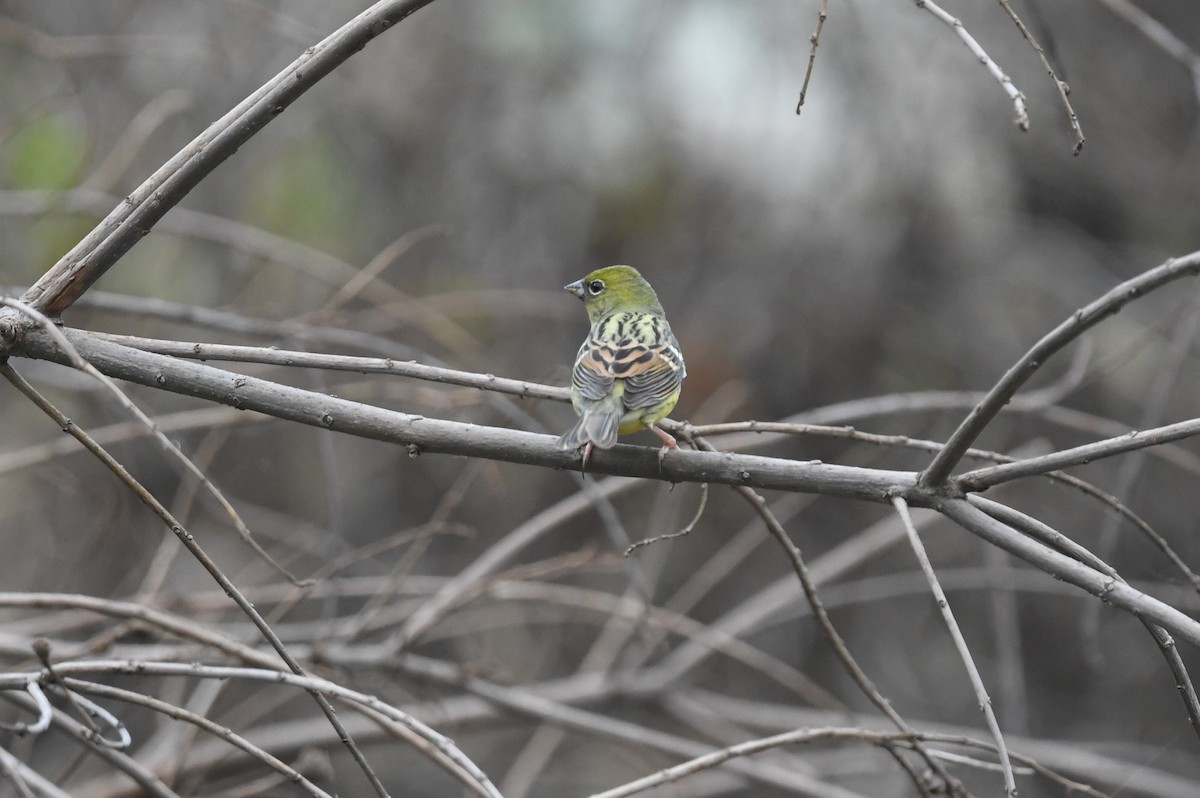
{"x":960,"y":643}
{"x":270,"y":355}
{"x":421,"y":434}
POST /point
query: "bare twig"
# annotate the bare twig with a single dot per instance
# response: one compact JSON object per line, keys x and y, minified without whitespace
{"x":812,"y":53}
{"x":360,"y":365}
{"x":984,"y":478}
{"x":1059,"y":85}
{"x":939,"y":596}
{"x":1014,"y":94}
{"x":682,"y":532}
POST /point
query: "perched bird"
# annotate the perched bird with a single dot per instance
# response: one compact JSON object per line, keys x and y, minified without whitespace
{"x":628,"y":372}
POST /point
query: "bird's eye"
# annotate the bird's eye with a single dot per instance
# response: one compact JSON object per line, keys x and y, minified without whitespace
{"x":595,"y":287}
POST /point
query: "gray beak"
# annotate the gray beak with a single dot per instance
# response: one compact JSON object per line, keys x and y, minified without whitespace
{"x":575,"y":288}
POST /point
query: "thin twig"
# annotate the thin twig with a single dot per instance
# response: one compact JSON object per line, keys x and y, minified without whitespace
{"x":274,"y":356}
{"x":984,"y":478}
{"x":1059,"y":85}
{"x":682,"y":532}
{"x":960,"y":643}
{"x":812,"y":53}
{"x":1014,"y":94}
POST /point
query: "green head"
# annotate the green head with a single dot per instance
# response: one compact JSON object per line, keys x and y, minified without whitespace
{"x":615,"y":288}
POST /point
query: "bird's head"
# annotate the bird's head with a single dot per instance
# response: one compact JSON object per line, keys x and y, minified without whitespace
{"x":615,"y":288}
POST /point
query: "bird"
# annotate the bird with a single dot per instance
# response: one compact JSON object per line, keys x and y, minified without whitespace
{"x":629,"y":371}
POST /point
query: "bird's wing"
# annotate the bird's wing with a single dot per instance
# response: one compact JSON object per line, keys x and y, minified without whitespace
{"x":650,"y":370}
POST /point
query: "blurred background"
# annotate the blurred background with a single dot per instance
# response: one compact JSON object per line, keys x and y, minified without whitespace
{"x":899,"y":235}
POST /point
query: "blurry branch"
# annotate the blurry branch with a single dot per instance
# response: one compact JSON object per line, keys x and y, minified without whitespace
{"x":467,"y":773}
{"x":1018,"y":99}
{"x":202,"y":418}
{"x":189,"y":542}
{"x":215,"y":729}
{"x":76,"y":271}
{"x":134,"y":137}
{"x":1080,"y":321}
{"x":361,"y":365}
{"x":548,"y":707}
{"x":166,"y":444}
{"x":1158,"y":33}
{"x":65,"y":48}
{"x":887,"y":741}
{"x":1059,"y":85}
{"x":237,"y":235}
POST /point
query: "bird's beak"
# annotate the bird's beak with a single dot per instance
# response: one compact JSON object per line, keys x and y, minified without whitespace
{"x":575,"y":288}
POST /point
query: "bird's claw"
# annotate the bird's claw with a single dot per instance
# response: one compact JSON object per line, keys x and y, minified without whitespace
{"x":587,"y":455}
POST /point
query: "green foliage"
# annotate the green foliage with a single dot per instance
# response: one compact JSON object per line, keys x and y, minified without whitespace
{"x":301,"y":191}
{"x":46,"y":153}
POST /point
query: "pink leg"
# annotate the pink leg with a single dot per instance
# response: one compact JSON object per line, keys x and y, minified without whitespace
{"x":669,"y":442}
{"x":587,"y":455}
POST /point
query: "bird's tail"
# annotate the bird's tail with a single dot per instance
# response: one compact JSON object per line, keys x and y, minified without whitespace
{"x":597,"y":425}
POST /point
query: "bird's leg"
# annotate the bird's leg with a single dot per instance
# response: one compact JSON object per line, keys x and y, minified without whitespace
{"x":668,"y":443}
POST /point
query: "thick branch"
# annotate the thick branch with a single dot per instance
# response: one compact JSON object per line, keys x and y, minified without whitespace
{"x":422,"y":434}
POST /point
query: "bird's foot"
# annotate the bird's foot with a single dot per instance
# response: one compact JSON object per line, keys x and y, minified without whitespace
{"x":669,"y":443}
{"x":587,"y":455}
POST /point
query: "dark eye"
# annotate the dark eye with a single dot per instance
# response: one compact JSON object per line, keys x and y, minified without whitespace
{"x":595,"y":287}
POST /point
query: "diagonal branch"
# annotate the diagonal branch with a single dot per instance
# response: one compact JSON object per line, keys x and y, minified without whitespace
{"x":960,"y":643}
{"x":1081,"y":320}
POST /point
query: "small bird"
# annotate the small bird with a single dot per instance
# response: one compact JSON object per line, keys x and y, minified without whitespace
{"x":628,"y":372}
